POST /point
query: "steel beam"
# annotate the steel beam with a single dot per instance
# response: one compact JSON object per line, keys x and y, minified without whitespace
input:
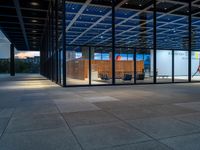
{"x":19,"y":14}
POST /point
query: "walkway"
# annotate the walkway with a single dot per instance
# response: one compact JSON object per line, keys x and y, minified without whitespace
{"x":36,"y":114}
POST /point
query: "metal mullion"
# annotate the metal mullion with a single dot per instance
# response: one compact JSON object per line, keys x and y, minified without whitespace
{"x":64,"y":44}
{"x":154,"y":42}
{"x":90,"y":65}
{"x":173,"y":66}
{"x":135,"y":65}
{"x":190,"y":43}
{"x":113,"y":42}
{"x":56,"y":38}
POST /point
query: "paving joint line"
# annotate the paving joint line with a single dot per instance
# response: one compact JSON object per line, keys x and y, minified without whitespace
{"x":74,"y":135}
{"x":140,"y":131}
{"x":7,"y":124}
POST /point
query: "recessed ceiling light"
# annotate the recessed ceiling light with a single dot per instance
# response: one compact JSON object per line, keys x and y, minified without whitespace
{"x":34,"y":21}
{"x":34,"y":31}
{"x":140,"y":5}
{"x":34,"y":3}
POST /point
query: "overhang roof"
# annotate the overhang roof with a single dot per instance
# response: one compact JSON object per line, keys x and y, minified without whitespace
{"x":23,"y":22}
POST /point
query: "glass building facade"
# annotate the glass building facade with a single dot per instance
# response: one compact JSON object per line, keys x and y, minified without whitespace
{"x":114,"y":42}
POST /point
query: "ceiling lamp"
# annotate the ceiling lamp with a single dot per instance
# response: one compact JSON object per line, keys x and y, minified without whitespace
{"x":34,"y":3}
{"x":34,"y":21}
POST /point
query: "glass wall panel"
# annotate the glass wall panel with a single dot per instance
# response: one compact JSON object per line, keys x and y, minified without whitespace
{"x":89,"y":28}
{"x":124,"y":66}
{"x":134,"y":28}
{"x":77,"y":65}
{"x":195,"y":66}
{"x":144,"y":66}
{"x":195,"y":71}
{"x":101,"y":65}
{"x":134,"y":24}
{"x":172,"y":25}
{"x":89,"y":22}
{"x":61,"y":67}
{"x":181,"y":66}
{"x":60,"y":41}
{"x":164,"y":66}
{"x":173,"y":34}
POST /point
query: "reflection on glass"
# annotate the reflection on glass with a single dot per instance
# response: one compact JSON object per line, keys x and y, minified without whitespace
{"x":134,"y":24}
{"x":93,"y":26}
{"x":172,"y":25}
{"x":61,"y":67}
{"x":195,"y":66}
{"x":195,"y":71}
{"x":124,"y":66}
{"x":144,"y":66}
{"x":180,"y":66}
{"x":164,"y":66}
{"x":101,"y":65}
{"x":77,"y":65}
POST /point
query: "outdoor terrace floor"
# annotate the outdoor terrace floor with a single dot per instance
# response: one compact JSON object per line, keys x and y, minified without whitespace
{"x":36,"y":114}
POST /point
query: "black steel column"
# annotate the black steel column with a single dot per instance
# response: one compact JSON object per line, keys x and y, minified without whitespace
{"x":90,"y":66}
{"x":154,"y":42}
{"x":56,"y":38}
{"x":190,"y":43}
{"x":113,"y":41}
{"x":12,"y":60}
{"x":52,"y":41}
{"x":64,"y":44}
{"x":172,"y":66}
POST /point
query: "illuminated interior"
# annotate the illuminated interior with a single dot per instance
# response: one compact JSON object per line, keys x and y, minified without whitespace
{"x":89,"y":40}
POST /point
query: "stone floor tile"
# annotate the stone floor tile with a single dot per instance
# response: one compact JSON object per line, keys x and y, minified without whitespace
{"x":54,"y":139}
{"x":76,"y":107}
{"x":187,"y":142}
{"x":150,"y":145}
{"x":6,"y":112}
{"x":3,"y":125}
{"x":193,"y":118}
{"x":107,"y":135}
{"x":88,"y":118}
{"x":35,"y":122}
{"x":35,"y":109}
{"x":163,"y":127}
